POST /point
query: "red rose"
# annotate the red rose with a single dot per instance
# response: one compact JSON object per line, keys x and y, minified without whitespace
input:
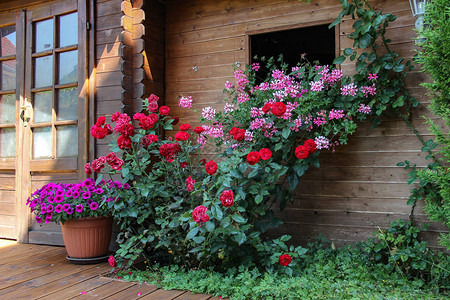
{"x":267,"y":107}
{"x":124,"y":142}
{"x":253,"y":158}
{"x":183,"y":164}
{"x":117,"y":164}
{"x":164,"y":110}
{"x":182,"y":136}
{"x":98,"y":132}
{"x":278,"y":109}
{"x":149,"y":139}
{"x":185,"y":127}
{"x":211,"y":167}
{"x":237,"y":133}
{"x":284,"y":260}
{"x":301,"y":152}
{"x":98,"y":164}
{"x":87,"y":169}
{"x":311,"y":145}
{"x":152,"y":107}
{"x":100,"y":121}
{"x":199,"y":130}
{"x":115,"y":116}
{"x":111,"y":157}
{"x":265,"y":153}
{"x":227,"y":198}
{"x":199,"y":215}
{"x":202,"y":161}
{"x":153,"y":98}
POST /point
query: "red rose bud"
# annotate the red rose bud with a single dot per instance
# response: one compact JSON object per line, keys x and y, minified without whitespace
{"x":175,"y":120}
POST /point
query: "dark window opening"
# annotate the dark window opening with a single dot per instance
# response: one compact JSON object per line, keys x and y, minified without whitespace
{"x":315,"y":44}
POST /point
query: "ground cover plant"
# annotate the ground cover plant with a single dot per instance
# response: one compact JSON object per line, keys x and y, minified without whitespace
{"x":394,"y":264}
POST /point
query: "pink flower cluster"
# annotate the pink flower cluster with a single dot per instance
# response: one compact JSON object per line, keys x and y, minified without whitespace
{"x":365,"y":109}
{"x":322,"y":142}
{"x":209,"y":113}
{"x":349,"y":89}
{"x":336,"y":114}
{"x":369,"y":90}
{"x":185,"y":102}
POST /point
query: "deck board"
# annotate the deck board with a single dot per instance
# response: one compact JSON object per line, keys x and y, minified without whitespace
{"x":43,"y":272}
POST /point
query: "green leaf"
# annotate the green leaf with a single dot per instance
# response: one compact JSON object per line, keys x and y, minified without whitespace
{"x":278,"y":147}
{"x":293,"y":180}
{"x":339,"y":60}
{"x":238,"y":218}
{"x":285,"y":133}
{"x":193,"y":232}
{"x":198,"y":239}
{"x":99,"y":179}
{"x":217,"y":212}
{"x":348,"y":51}
{"x":210,"y":226}
{"x":399,"y":68}
{"x":258,"y":199}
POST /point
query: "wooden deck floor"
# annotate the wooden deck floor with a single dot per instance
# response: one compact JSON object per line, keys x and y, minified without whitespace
{"x":42,"y":272}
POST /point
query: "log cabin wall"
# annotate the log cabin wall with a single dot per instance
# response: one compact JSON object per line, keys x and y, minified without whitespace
{"x":357,"y":188}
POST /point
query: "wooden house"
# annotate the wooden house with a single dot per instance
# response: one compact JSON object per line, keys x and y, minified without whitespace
{"x":63,"y":63}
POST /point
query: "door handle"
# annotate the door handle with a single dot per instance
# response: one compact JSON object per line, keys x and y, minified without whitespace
{"x":25,"y":113}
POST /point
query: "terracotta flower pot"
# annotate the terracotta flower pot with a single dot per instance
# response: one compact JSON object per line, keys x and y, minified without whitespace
{"x":87,"y":237}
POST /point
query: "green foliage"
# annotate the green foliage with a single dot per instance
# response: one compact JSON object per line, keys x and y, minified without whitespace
{"x":434,"y":180}
{"x":394,"y":265}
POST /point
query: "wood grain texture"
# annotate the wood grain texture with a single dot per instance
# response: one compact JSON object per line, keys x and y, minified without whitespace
{"x":357,"y":188}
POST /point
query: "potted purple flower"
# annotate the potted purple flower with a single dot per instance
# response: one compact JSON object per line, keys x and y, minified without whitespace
{"x":84,"y":212}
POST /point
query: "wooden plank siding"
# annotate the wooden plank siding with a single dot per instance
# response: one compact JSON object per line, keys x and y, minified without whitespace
{"x":358,"y":187}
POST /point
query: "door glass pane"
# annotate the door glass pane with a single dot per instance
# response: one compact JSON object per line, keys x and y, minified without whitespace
{"x":8,"y":70}
{"x":42,"y":142}
{"x":7,"y":109}
{"x":67,"y":104}
{"x":43,"y":72}
{"x":68,"y":30}
{"x":68,"y":67}
{"x":66,"y":141}
{"x":7,"y":142}
{"x":42,"y":106}
{"x":8,"y":42}
{"x":43,"y":35}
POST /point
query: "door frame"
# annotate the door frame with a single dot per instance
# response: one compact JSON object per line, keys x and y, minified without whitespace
{"x":86,"y":63}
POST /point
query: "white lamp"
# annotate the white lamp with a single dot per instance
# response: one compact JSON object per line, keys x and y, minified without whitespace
{"x":418,"y":10}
